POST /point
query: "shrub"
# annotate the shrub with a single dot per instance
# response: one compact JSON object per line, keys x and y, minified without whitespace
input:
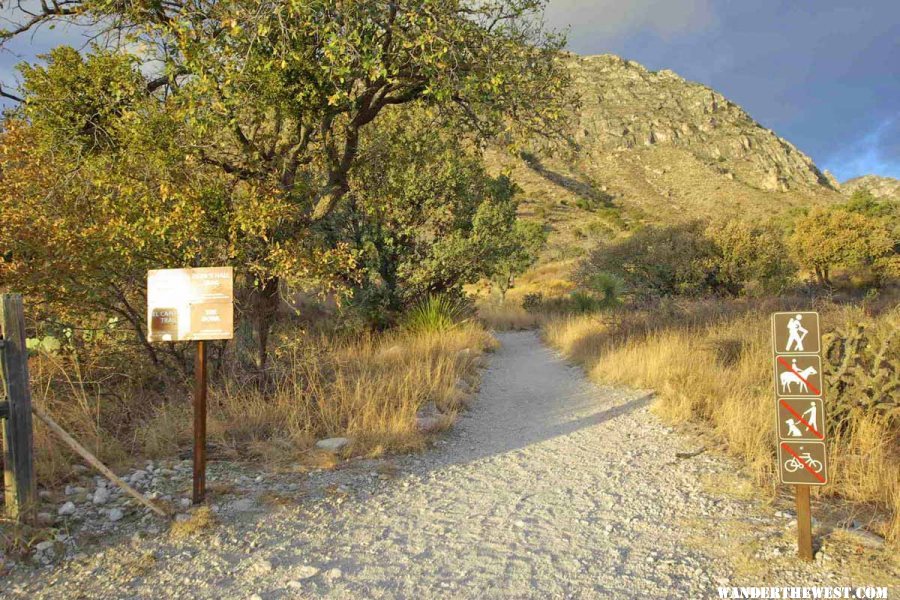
{"x":731,"y":258}
{"x":436,"y":313}
{"x":610,"y":288}
{"x":532,"y":302}
{"x":656,"y":261}
{"x":583,"y":302}
{"x":826,"y":238}
{"x":749,"y":259}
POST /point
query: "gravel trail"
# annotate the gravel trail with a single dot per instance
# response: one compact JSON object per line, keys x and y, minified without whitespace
{"x":549,"y":487}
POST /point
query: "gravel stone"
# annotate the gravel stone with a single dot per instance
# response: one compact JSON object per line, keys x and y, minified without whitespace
{"x":332,"y":444}
{"x":101,"y":496}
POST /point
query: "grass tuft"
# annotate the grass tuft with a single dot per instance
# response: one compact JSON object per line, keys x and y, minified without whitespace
{"x":200,"y":521}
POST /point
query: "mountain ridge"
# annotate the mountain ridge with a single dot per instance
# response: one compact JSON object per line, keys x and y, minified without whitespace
{"x":878,"y":185}
{"x":651,"y":146}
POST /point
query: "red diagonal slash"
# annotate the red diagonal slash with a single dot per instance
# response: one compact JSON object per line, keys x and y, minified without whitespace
{"x":805,"y":466}
{"x":792,"y":370}
{"x":802,"y":420}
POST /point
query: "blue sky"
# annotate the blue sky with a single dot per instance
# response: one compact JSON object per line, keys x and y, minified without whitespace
{"x":825,"y":74}
{"x":822,"y":73}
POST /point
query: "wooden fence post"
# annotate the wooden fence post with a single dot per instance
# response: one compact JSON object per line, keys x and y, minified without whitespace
{"x":18,"y":447}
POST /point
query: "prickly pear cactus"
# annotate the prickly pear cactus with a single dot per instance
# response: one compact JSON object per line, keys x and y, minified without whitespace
{"x":862,"y":370}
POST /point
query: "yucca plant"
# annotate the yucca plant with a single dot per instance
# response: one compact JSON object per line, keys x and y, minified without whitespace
{"x":436,"y":312}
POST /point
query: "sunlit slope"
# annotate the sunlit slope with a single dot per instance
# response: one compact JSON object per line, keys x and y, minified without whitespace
{"x":652,"y":147}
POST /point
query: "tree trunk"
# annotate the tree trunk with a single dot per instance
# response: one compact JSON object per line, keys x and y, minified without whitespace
{"x":264,"y":306}
{"x":820,"y":277}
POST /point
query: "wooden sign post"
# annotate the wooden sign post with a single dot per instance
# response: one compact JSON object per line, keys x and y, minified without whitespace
{"x":800,"y":412}
{"x":20,"y":490}
{"x":192,"y":305}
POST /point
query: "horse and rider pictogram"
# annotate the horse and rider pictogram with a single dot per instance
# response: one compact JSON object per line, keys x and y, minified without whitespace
{"x":798,"y":375}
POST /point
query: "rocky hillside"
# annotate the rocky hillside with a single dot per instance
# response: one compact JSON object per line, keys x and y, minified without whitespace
{"x":651,"y":146}
{"x":880,"y":187}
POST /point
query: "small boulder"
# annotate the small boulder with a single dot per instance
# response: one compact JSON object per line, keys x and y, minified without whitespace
{"x":67,"y":509}
{"x":101,"y":496}
{"x":332,"y":444}
{"x":865,"y":538}
{"x":114,"y":514}
{"x":428,"y":424}
{"x":305,"y":572}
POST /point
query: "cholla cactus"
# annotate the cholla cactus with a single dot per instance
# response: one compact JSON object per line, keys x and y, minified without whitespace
{"x":862,"y":371}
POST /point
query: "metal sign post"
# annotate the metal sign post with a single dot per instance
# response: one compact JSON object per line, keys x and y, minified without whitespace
{"x":200,"y":423}
{"x":800,"y":412}
{"x":196,"y":305}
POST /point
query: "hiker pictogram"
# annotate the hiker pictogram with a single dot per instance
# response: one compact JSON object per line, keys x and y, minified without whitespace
{"x":796,"y":332}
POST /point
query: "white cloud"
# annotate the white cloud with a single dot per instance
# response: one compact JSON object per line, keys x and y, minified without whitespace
{"x":614,"y":19}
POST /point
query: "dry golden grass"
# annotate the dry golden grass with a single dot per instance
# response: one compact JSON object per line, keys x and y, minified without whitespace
{"x":200,"y":520}
{"x":506,"y":316}
{"x":368,"y":389}
{"x":711,"y":362}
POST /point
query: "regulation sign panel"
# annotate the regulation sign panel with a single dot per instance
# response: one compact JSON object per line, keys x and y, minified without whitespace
{"x":801,"y":419}
{"x":803,"y":462}
{"x":799,"y":406}
{"x":190,"y":304}
{"x":796,"y":332}
{"x":798,"y":375}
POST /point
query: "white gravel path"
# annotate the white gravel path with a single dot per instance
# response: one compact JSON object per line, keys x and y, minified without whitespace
{"x":550,"y":487}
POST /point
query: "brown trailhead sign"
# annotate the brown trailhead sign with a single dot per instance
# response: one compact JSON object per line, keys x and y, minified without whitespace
{"x":796,"y":332}
{"x":799,"y":406}
{"x":802,"y":463}
{"x":798,"y":375}
{"x":190,"y":304}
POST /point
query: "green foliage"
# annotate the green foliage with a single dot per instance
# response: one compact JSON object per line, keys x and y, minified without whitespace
{"x":656,"y":261}
{"x":608,"y":287}
{"x":83,"y":103}
{"x":691,"y":259}
{"x":516,"y":251}
{"x":582,"y":302}
{"x":749,"y":259}
{"x":532,"y":302}
{"x":240,"y":149}
{"x":864,"y":203}
{"x":425,"y":218}
{"x":832,"y":237}
{"x":436,"y":313}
